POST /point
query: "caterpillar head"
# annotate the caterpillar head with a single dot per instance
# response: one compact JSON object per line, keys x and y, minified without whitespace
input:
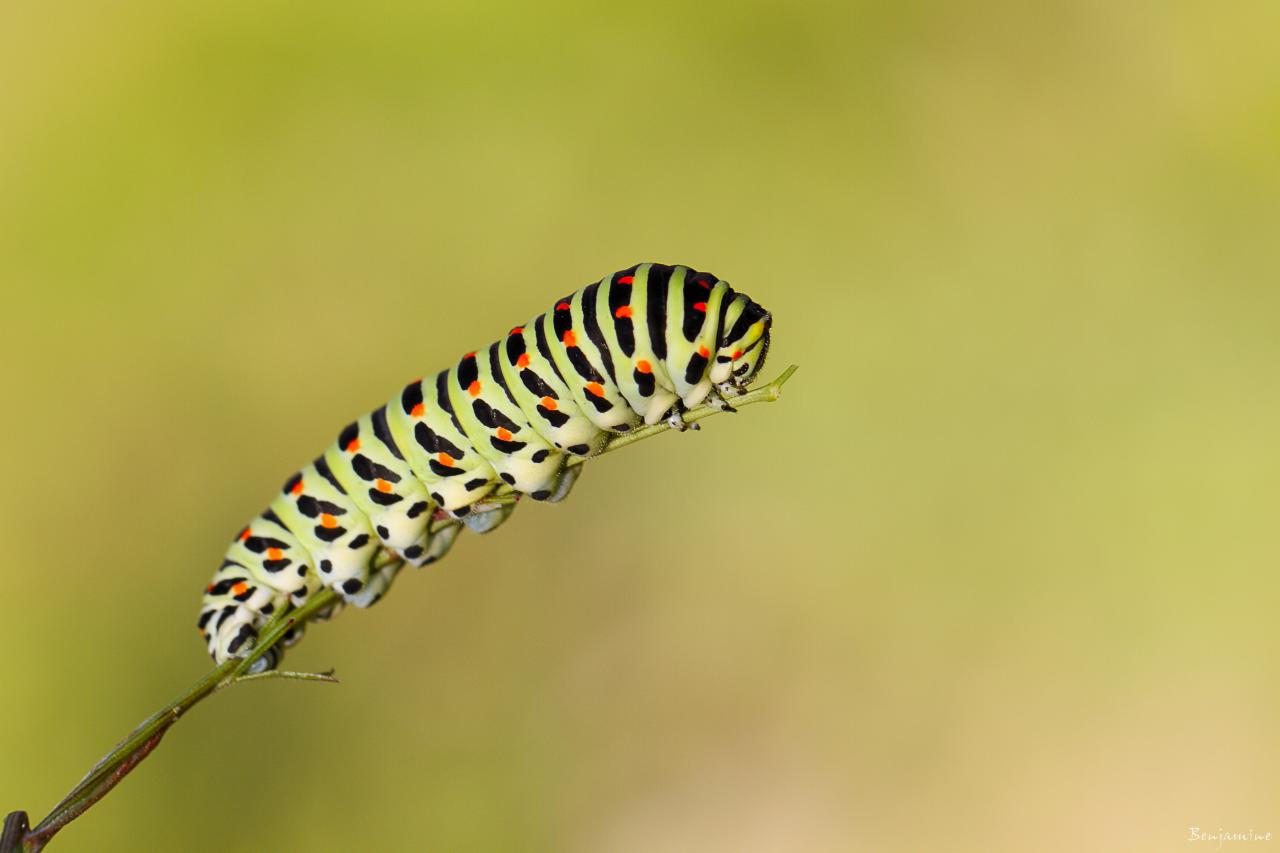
{"x":744,"y":346}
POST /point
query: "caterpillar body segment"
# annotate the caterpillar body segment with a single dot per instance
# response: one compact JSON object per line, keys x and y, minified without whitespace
{"x":514,"y":450}
{"x":633,"y":348}
{"x":539,"y":390}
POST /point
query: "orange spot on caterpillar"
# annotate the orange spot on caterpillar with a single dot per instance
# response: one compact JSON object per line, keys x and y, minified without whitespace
{"x":297,"y":488}
{"x":240,"y":588}
{"x":570,"y":339}
{"x":705,"y":283}
{"x":517,"y":330}
{"x":353,"y":445}
{"x":704,"y":352}
{"x":737,"y":354}
{"x":474,"y":388}
{"x":700,"y":306}
{"x":274,"y":553}
{"x":328,"y":521}
{"x":209,"y":588}
{"x":626,"y":279}
{"x":382,"y":486}
{"x":418,"y":409}
{"x":469,"y":355}
{"x":644,"y":366}
{"x":623,"y":311}
{"x":595,"y":388}
{"x":562,"y":306}
{"x":445,"y":459}
{"x":548,"y":403}
{"x":523,"y":360}
{"x":244,"y":534}
{"x":504,"y":434}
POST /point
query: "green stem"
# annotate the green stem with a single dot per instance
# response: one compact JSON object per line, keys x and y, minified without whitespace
{"x":326,"y":677}
{"x":139,"y":743}
{"x":764,"y":394}
{"x":767,"y":393}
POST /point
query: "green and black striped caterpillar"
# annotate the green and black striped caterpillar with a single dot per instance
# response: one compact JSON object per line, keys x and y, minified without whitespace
{"x":638,"y":346}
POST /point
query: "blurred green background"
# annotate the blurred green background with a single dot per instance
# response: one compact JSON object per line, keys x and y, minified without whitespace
{"x":998,"y":573}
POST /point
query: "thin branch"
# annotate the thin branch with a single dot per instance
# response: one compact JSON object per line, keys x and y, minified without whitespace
{"x":767,"y":393}
{"x":139,"y":743}
{"x":130,"y":752}
{"x":326,"y":677}
{"x":764,"y":394}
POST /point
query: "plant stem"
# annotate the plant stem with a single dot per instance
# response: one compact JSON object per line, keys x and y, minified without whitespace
{"x":764,"y":394}
{"x":767,"y":393}
{"x":139,"y":743}
{"x":326,"y":677}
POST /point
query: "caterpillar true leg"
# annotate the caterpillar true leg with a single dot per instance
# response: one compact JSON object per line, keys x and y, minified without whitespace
{"x":676,"y":420}
{"x":717,"y":401}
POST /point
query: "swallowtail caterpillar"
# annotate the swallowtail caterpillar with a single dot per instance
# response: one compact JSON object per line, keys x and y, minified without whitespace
{"x":637,"y":347}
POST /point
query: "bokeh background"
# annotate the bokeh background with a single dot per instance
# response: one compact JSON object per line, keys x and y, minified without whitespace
{"x":997,"y":574}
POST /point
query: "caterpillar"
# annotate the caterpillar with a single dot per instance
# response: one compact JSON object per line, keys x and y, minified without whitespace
{"x":638,"y":346}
